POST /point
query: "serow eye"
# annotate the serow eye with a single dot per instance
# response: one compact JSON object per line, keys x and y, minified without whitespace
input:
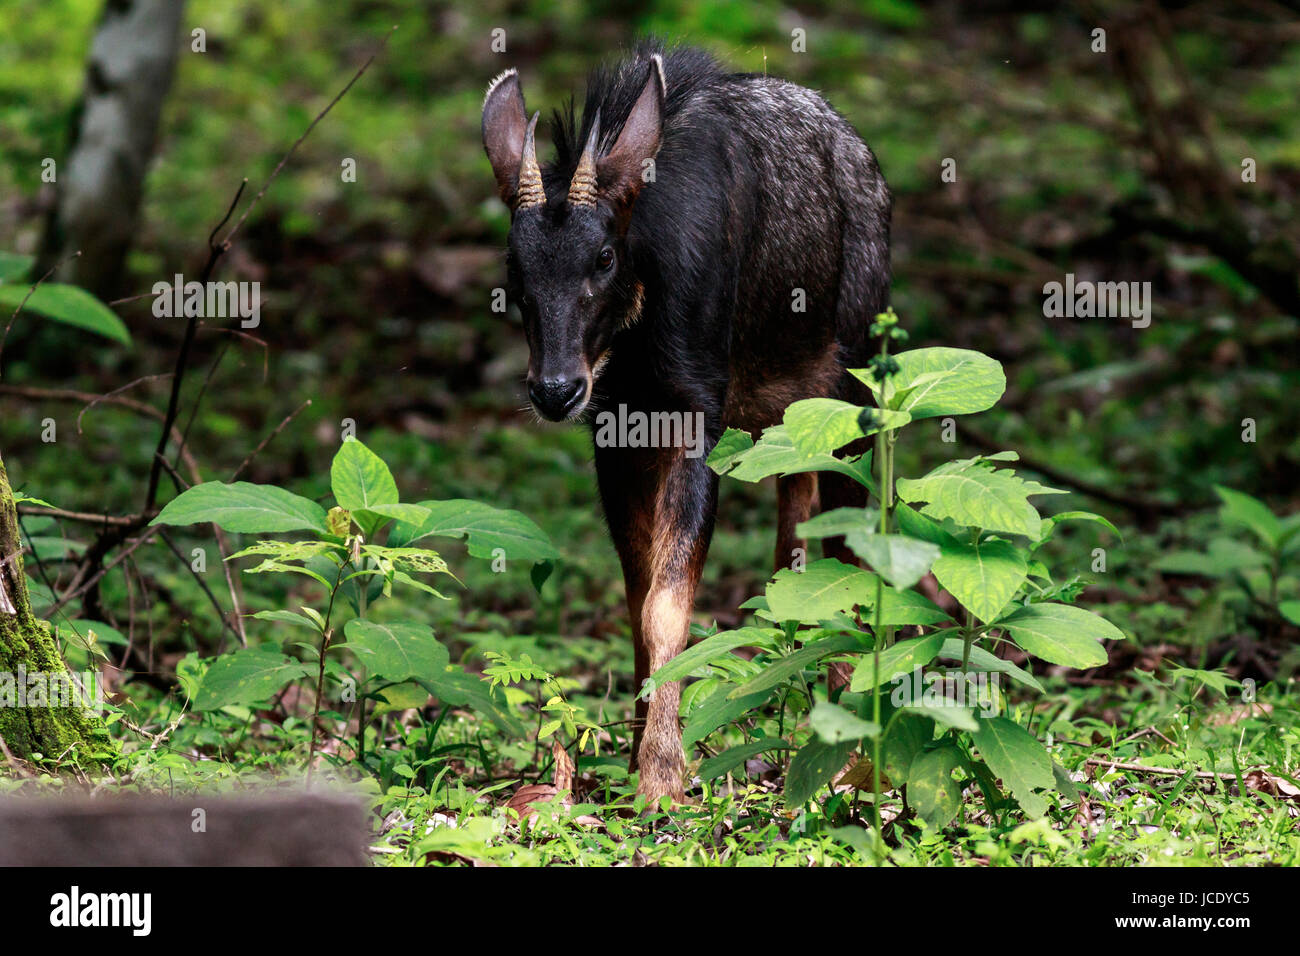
{"x":605,"y":260}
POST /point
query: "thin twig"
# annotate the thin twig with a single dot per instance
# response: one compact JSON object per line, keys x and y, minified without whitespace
{"x":225,"y":243}
{"x":14,"y":762}
{"x":182,"y":364}
{"x":86,"y":517}
{"x":117,"y":391}
{"x":198,"y":399}
{"x":81,"y":588}
{"x":1158,"y":771}
{"x":267,"y":440}
{"x":180,"y":556}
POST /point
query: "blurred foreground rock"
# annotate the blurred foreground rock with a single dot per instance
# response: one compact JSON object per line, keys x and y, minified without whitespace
{"x":291,"y":829}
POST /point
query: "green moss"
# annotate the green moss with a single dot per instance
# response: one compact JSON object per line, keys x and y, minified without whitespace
{"x":27,"y":644}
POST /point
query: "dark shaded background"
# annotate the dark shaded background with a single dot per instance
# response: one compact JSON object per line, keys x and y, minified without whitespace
{"x":1115,"y":166}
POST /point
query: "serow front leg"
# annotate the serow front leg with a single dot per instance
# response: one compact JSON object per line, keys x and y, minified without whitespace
{"x":663,"y":545}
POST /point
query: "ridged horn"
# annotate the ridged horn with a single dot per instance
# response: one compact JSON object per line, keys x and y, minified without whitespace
{"x":582,"y":190}
{"x":530,"y":191}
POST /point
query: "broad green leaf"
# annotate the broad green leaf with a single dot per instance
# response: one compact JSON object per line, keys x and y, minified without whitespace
{"x":974,"y":496}
{"x":706,"y":651}
{"x":288,"y":617}
{"x":1290,"y":610}
{"x":776,"y":454}
{"x":898,"y":660}
{"x":1061,"y":634}
{"x":931,"y":790}
{"x":1242,"y":509}
{"x":900,"y":608}
{"x":361,"y":481}
{"x":718,"y":709}
{"x":67,"y":304}
{"x":401,"y":697}
{"x":950,"y":714}
{"x":243,"y":508}
{"x":455,"y":688}
{"x":419,"y":560}
{"x":290,"y":550}
{"x":1217,"y":680}
{"x":733,"y":442}
{"x":982,"y":576}
{"x":729,"y":760}
{"x":376,"y":515}
{"x":851,"y":835}
{"x":834,"y":725}
{"x":916,"y":525}
{"x":907,"y":734}
{"x":89,"y":636}
{"x":819,"y":591}
{"x":812,"y":768}
{"x":986,"y":661}
{"x":1064,"y":785}
{"x":249,"y":676}
{"x":15,"y":267}
{"x":1016,"y":756}
{"x":97,"y":631}
{"x":783,"y":668}
{"x":398,"y":651}
{"x":471,"y":838}
{"x":1289,"y":537}
{"x":1049,"y":523}
{"x":945,"y":381}
{"x":281,"y":567}
{"x":51,"y":548}
{"x":838,"y":521}
{"x":486,"y":529}
{"x":899,"y":559}
{"x":818,"y":426}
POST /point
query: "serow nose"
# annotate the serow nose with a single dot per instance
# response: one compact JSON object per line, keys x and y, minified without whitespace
{"x":555,"y":398}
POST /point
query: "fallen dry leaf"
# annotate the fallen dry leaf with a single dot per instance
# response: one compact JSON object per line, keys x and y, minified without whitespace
{"x":529,"y":794}
{"x":858,"y":774}
{"x":563,"y":767}
{"x":1273,"y":785}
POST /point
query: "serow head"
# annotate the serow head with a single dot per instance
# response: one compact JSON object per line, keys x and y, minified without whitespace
{"x":568,"y":265}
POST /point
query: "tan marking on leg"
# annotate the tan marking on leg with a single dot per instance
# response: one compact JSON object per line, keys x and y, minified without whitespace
{"x":665,"y":625}
{"x":796,"y":501}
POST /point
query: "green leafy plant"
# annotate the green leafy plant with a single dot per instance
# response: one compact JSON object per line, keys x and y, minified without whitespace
{"x":556,"y":712}
{"x":393,"y":663}
{"x":1261,"y":574}
{"x":972,"y":524}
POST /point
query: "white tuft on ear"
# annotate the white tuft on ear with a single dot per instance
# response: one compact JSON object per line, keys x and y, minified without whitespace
{"x":496,"y":81}
{"x":659,"y":71}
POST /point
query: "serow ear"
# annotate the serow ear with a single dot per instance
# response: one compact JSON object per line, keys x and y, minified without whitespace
{"x":623,"y":171}
{"x":504,"y":125}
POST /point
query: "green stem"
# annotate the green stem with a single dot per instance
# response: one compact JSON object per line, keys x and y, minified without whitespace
{"x":968,"y":638}
{"x":882,"y":636}
{"x":320,"y":676}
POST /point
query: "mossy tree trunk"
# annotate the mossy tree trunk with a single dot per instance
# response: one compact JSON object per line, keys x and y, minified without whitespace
{"x":27,"y":647}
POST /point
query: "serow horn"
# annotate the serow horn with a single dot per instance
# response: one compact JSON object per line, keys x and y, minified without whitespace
{"x":530,"y":191}
{"x":582,"y":190}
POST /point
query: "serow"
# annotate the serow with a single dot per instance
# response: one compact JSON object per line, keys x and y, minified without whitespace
{"x":706,"y":247}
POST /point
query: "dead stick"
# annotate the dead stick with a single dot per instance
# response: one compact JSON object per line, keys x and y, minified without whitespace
{"x":1159,"y":771}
